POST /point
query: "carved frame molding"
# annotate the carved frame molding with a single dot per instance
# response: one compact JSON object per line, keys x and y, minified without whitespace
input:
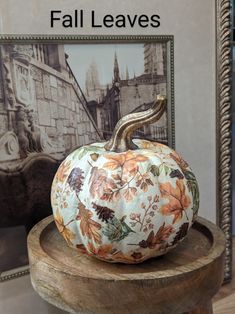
{"x":224,"y":136}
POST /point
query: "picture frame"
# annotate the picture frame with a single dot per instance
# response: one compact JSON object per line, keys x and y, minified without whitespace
{"x":217,"y":25}
{"x":30,"y":65}
{"x":224,"y":128}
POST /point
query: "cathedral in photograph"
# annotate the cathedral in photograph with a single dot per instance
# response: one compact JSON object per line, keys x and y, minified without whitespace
{"x":125,"y":94}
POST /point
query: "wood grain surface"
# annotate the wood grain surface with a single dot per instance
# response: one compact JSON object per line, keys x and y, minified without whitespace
{"x":182,"y":281}
{"x":224,"y":300}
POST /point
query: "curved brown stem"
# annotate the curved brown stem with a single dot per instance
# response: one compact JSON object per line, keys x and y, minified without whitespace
{"x":121,"y":139}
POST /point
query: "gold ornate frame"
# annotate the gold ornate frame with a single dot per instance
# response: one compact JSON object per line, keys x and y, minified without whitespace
{"x":224,"y":137}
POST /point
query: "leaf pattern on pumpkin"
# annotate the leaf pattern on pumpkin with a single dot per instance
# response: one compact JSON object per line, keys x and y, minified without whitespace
{"x":179,"y":160}
{"x":181,"y":233}
{"x":89,"y":228}
{"x":100,"y":183}
{"x":63,"y":171}
{"x":194,"y":189}
{"x":104,"y":213}
{"x":82,"y":151}
{"x":102,"y":250}
{"x":176,"y":174}
{"x":112,"y":189}
{"x":128,"y":162}
{"x":106,"y":251}
{"x":68,"y":234}
{"x":143,"y":181}
{"x":117,"y":230}
{"x":148,"y":185}
{"x":150,"y":145}
{"x":178,"y":201}
{"x":159,"y":239}
{"x":144,"y":219}
{"x":75,"y":179}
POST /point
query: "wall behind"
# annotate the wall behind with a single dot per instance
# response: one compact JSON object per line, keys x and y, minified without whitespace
{"x":193,"y":25}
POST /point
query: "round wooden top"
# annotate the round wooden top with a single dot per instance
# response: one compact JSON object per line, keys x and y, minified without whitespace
{"x":190,"y":263}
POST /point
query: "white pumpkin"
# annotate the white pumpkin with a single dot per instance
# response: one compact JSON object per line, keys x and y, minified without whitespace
{"x":125,"y":201}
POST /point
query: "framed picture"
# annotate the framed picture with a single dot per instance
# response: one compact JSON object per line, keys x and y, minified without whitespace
{"x":58,"y":94}
{"x":202,"y":83}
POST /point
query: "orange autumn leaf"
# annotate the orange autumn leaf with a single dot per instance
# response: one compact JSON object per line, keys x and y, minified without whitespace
{"x":63,"y":170}
{"x":163,"y":233}
{"x":107,"y":252}
{"x":88,"y":226}
{"x":68,"y":234}
{"x":178,"y":201}
{"x":102,"y":251}
{"x":145,"y":144}
{"x":179,"y":160}
{"x":123,"y":258}
{"x":129,"y":193}
{"x":100,"y":183}
{"x":149,"y":145}
{"x":158,"y":240}
{"x":127,"y":161}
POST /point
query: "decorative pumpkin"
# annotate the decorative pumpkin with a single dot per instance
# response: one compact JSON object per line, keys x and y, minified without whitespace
{"x":125,"y":201}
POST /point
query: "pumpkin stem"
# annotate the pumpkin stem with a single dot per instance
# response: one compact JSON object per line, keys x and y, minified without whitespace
{"x":121,"y":139}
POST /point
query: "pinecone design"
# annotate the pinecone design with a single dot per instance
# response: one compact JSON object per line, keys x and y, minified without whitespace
{"x":104,"y":213}
{"x":181,"y":233}
{"x":75,"y":179}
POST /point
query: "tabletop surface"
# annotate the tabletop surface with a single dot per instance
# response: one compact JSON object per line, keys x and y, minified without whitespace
{"x":183,"y":280}
{"x":192,"y":252}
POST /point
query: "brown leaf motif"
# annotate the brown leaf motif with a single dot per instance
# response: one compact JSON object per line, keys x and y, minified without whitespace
{"x":181,"y":233}
{"x":143,"y":181}
{"x":88,"y":226}
{"x":178,"y":201}
{"x":63,"y":170}
{"x":129,"y":194}
{"x":102,"y":250}
{"x":144,"y":219}
{"x":159,"y":239}
{"x":68,"y":234}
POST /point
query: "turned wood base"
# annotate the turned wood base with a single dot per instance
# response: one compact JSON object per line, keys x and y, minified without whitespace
{"x":182,"y":281}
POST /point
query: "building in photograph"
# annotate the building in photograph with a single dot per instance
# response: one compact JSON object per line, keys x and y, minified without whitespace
{"x":124,"y":95}
{"x":42,"y":108}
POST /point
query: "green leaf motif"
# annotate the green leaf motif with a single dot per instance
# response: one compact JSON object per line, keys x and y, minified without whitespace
{"x":164,"y":168}
{"x":189,"y":175}
{"x":154,"y":170}
{"x":195,"y":193}
{"x":116,"y":229}
{"x":193,"y":188}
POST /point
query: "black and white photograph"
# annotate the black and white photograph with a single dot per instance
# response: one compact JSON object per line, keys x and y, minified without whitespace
{"x":57,"y":97}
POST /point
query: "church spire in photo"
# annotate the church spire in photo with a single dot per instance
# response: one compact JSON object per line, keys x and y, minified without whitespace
{"x":127,"y":73}
{"x":116,"y":76}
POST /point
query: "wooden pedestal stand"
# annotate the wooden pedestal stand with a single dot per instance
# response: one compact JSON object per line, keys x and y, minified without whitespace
{"x":182,"y":281}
